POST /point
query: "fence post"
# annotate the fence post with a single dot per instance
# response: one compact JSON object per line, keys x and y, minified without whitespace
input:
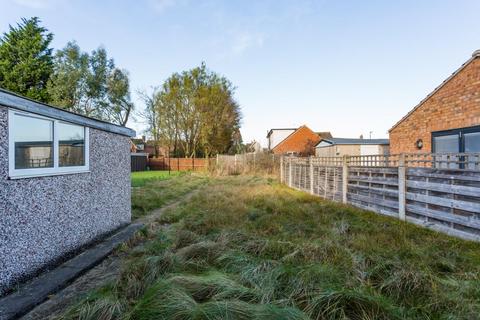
{"x":401,"y":186}
{"x":345,"y":178}
{"x":235,"y":164}
{"x":281,"y":169}
{"x":310,"y":162}
{"x":290,"y":172}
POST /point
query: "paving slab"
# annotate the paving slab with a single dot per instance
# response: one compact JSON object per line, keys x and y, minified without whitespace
{"x":37,"y":290}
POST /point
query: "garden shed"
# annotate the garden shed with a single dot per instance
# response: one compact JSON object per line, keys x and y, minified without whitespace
{"x":64,"y":182}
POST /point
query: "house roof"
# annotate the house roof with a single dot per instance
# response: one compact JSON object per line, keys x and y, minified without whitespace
{"x":15,"y":101}
{"x":475,"y":54}
{"x":343,"y":141}
{"x":324,"y":134}
{"x":276,"y":129}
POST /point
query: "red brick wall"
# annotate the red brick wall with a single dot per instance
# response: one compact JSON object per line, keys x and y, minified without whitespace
{"x":302,"y":141}
{"x":455,"y":105}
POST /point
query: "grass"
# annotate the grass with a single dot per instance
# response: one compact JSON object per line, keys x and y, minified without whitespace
{"x":153,"y":189}
{"x":246,"y":247}
{"x":139,"y":179}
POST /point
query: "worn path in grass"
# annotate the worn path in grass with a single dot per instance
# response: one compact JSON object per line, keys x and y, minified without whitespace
{"x":109,"y":269}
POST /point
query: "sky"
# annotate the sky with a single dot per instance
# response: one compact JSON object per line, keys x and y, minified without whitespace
{"x":349,"y":67}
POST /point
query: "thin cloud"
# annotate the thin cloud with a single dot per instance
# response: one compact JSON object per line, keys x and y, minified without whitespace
{"x":245,"y":40}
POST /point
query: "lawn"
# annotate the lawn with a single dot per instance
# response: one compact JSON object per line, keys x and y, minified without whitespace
{"x":153,"y":189}
{"x":247,"y":247}
{"x":139,"y":179}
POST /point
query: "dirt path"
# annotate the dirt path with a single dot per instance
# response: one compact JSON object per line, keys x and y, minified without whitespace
{"x":102,"y":274}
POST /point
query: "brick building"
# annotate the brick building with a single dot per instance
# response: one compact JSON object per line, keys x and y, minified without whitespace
{"x":300,"y":141}
{"x":448,"y":119}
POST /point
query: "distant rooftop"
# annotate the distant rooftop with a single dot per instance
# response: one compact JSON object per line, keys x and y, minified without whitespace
{"x":339,"y":141}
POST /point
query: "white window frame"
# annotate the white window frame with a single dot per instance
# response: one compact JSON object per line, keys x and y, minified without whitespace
{"x":42,"y":172}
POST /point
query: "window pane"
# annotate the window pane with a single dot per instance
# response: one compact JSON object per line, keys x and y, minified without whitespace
{"x":33,"y":138}
{"x":472,"y":142}
{"x":446,"y":144}
{"x":71,"y":145}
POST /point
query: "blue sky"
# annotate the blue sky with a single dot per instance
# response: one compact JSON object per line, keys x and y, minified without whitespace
{"x":349,"y":67}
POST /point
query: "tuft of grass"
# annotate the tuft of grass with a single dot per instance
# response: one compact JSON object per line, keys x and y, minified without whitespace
{"x":102,"y":304}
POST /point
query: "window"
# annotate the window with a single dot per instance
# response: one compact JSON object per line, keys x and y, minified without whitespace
{"x":463,"y":140}
{"x":71,"y":139}
{"x":446,"y":144}
{"x":457,"y":140}
{"x":39,"y":146}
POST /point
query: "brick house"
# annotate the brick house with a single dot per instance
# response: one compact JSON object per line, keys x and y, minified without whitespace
{"x":448,"y":119}
{"x":300,"y":141}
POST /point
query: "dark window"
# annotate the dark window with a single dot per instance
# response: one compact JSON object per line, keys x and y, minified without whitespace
{"x":472,"y":142}
{"x":456,"y":140}
{"x":447,"y":143}
{"x":463,"y":140}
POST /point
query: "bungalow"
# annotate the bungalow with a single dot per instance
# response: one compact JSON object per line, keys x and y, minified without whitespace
{"x":299,"y":141}
{"x":64,"y":182}
{"x":337,"y":147}
{"x":448,"y":119}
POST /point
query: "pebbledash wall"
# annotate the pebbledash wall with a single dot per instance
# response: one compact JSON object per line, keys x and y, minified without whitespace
{"x":44,"y":218}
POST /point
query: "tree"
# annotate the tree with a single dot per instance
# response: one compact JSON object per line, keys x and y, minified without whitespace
{"x":90,"y":84}
{"x":199,"y":115}
{"x":26,"y":59}
{"x":151,"y":116}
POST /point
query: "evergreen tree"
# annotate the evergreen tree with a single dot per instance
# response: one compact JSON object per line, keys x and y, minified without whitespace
{"x":26,"y":59}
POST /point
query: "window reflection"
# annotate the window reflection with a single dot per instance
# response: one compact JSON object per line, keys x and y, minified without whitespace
{"x":33,"y":138}
{"x":71,"y":145}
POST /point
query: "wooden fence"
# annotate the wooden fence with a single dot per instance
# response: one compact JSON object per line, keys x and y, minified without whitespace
{"x":439,"y":191}
{"x":178,"y":164}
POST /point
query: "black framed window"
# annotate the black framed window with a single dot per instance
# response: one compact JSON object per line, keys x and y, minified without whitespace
{"x":461,"y":140}
{"x":456,"y":140}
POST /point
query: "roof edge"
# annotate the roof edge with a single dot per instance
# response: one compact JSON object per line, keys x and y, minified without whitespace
{"x":15,"y":101}
{"x":475,"y":54}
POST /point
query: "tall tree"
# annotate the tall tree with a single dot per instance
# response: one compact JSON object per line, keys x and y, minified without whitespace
{"x":90,"y":84}
{"x":26,"y":59}
{"x":151,"y":116}
{"x":199,"y":115}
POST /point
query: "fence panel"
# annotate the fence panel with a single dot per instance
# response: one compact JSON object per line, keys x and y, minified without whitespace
{"x":446,"y":199}
{"x":374,"y":189}
{"x":178,"y":164}
{"x":439,"y":191}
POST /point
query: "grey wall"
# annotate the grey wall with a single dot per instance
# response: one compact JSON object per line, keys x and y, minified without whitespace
{"x":43,"y":218}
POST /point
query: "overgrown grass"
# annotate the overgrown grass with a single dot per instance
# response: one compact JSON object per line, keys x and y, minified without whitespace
{"x":155,"y":190}
{"x":249,"y":248}
{"x":139,"y":179}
